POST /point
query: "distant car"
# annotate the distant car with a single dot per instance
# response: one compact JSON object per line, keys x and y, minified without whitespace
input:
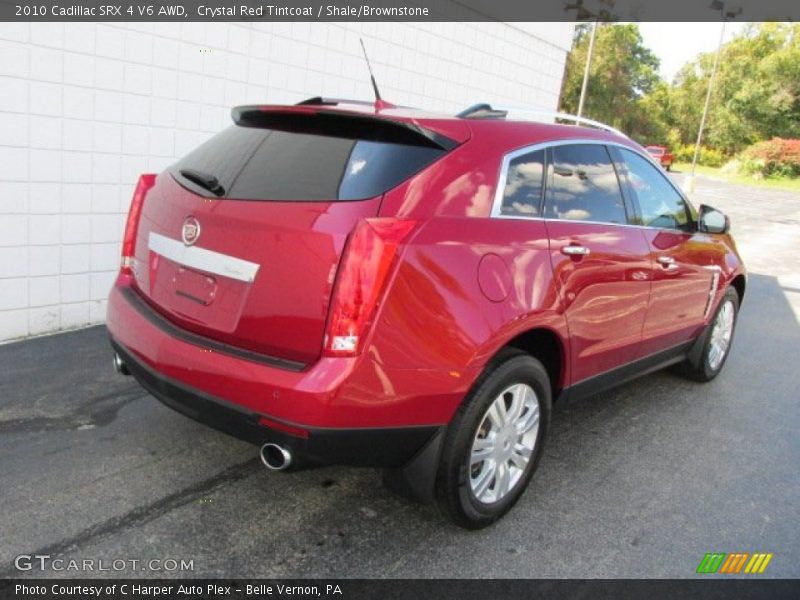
{"x":348,"y":284}
{"x":662,"y":155}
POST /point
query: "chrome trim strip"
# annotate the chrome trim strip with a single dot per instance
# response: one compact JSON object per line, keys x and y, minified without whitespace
{"x":712,"y":292}
{"x":497,"y":203}
{"x":576,"y":222}
{"x":202,"y":259}
{"x":620,"y":225}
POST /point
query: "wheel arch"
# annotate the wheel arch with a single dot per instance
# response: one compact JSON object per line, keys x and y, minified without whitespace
{"x":739,"y":283}
{"x":546,"y":346}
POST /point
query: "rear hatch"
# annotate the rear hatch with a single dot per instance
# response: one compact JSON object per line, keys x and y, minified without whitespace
{"x":240,"y":240}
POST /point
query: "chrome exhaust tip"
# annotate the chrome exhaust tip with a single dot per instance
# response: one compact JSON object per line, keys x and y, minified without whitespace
{"x":275,"y":457}
{"x":119,"y":365}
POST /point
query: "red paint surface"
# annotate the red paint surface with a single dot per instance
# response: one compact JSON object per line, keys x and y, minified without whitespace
{"x":444,"y":311}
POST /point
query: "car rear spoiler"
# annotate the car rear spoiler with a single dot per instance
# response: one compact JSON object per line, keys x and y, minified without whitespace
{"x":308,"y":118}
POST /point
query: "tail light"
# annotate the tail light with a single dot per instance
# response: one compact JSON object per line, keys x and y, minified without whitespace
{"x":132,"y":225}
{"x":367,"y":263}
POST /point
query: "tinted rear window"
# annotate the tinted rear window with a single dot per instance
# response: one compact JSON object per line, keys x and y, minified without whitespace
{"x":254,"y":163}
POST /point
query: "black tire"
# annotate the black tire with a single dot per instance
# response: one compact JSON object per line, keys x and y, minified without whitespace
{"x":698,"y":365}
{"x":669,"y":167}
{"x":454,"y":491}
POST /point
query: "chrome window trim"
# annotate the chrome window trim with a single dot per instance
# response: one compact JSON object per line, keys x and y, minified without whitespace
{"x":497,"y":203}
{"x":632,"y":225}
{"x":202,"y":259}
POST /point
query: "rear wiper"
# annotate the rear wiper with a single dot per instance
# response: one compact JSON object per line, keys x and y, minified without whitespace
{"x":204,"y":180}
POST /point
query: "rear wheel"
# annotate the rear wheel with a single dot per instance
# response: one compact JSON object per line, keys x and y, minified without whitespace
{"x":707,"y":362}
{"x":494,"y":442}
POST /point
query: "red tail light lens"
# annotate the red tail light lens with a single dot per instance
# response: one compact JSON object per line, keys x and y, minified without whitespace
{"x":367,"y":262}
{"x":132,"y":225}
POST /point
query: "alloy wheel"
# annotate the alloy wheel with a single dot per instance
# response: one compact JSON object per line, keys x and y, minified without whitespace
{"x":504,"y":443}
{"x":721,"y":335}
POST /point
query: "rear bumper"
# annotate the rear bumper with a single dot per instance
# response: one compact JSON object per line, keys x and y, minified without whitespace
{"x":377,"y":447}
{"x":347,"y":411}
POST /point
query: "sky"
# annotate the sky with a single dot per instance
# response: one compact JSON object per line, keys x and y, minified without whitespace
{"x":677,"y":43}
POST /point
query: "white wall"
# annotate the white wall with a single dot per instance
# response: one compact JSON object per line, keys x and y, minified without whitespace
{"x":85,"y":108}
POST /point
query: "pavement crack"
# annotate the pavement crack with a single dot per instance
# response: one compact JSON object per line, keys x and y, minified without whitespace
{"x":145,"y":514}
{"x":97,"y":412}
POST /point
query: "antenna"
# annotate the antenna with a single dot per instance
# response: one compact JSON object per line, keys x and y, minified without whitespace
{"x":379,"y":102}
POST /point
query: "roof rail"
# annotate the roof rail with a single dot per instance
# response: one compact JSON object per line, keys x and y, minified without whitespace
{"x":320,"y":101}
{"x":488,"y":111}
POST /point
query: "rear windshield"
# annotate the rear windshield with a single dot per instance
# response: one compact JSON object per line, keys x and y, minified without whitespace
{"x":309,"y":163}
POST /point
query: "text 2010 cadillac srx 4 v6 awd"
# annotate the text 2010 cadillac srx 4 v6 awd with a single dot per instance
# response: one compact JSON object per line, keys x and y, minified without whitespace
{"x":348,"y":283}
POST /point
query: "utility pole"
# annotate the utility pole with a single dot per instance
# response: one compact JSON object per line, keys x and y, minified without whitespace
{"x":586,"y":69}
{"x":720,"y":6}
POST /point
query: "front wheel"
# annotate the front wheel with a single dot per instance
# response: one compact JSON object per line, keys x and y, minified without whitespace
{"x":494,"y":442}
{"x":706,"y":362}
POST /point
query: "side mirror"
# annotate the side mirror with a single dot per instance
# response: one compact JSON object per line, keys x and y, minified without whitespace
{"x":712,"y":221}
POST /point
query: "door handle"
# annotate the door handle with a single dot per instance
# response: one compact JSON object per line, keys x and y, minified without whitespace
{"x":667,"y":262}
{"x":575,"y":250}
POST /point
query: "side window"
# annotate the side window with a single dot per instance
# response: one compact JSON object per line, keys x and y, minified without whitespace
{"x":585,"y":186}
{"x":522,"y":194}
{"x":660,"y":204}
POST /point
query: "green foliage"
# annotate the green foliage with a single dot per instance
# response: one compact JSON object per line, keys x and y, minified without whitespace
{"x":709,"y":157}
{"x":683,"y":152}
{"x":771,"y":158}
{"x":673,"y":138}
{"x":756,"y":92}
{"x":621,"y":73}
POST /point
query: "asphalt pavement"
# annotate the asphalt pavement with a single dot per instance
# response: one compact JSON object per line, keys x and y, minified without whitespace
{"x":638,"y":482}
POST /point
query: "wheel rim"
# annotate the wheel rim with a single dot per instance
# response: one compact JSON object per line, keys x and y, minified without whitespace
{"x":721,"y":334}
{"x":504,"y":443}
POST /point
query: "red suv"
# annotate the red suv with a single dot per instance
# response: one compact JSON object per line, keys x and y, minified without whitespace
{"x":661,"y":155}
{"x":368,"y":285}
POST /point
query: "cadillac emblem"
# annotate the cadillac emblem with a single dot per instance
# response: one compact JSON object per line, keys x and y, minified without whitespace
{"x":190,"y":231}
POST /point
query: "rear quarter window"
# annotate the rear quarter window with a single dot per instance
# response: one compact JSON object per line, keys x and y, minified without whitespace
{"x":522,"y":195}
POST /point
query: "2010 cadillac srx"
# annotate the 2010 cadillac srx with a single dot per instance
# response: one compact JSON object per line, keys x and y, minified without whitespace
{"x":348,"y":283}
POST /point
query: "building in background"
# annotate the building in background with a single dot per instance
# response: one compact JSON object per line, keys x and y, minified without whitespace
{"x":86,"y":108}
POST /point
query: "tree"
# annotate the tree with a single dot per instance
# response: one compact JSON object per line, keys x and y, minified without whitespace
{"x":756,"y":94}
{"x":622,"y":72}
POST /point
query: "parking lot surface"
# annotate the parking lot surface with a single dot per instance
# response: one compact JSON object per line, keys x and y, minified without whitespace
{"x":638,"y":482}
